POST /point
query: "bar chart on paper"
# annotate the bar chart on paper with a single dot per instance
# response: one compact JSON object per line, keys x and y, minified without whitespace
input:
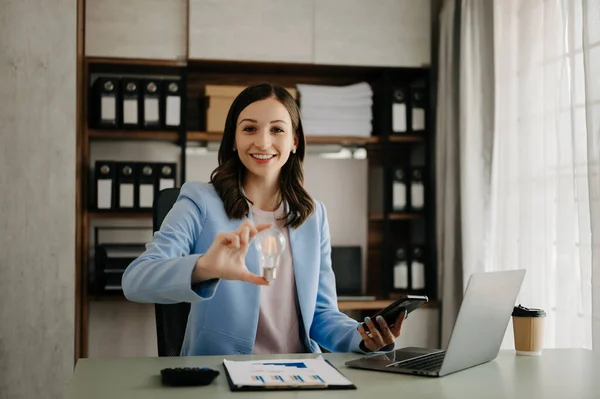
{"x":315,"y":372}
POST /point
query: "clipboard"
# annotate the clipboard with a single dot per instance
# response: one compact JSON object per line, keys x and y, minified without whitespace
{"x":277,"y":380}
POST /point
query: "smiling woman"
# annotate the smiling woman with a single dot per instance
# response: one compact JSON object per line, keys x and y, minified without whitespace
{"x":203,"y":252}
{"x":263,"y":126}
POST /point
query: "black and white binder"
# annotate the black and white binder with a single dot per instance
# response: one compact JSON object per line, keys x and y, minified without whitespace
{"x":105,"y":178}
{"x":417,"y":190}
{"x":400,"y":191}
{"x":105,"y":93}
{"x":166,"y":175}
{"x":417,"y":268}
{"x":146,"y":174}
{"x":173,"y":92}
{"x":401,"y":270}
{"x":125,"y":186}
{"x":399,"y":109}
{"x":152,"y":93}
{"x":418,"y":109}
{"x":130,"y":110}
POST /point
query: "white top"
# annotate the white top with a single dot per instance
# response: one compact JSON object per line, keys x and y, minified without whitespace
{"x":278,"y":330}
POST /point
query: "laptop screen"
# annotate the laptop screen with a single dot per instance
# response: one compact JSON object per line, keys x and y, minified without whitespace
{"x":346,"y":262}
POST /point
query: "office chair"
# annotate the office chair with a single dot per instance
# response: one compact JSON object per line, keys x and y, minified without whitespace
{"x":171,"y":319}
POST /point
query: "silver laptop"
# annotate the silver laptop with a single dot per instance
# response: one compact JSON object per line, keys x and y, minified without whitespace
{"x":476,"y":337}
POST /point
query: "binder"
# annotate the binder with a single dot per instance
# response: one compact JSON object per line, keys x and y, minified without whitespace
{"x":146,"y":174}
{"x":110,"y":261}
{"x":105,"y":92}
{"x":125,"y":186}
{"x":400,"y":190}
{"x":417,"y":190}
{"x":152,"y":95}
{"x":105,"y":182}
{"x":417,"y":269}
{"x":401,"y":269}
{"x":399,"y":110}
{"x":112,"y":255}
{"x":173,"y":103}
{"x":130,"y":99}
{"x":166,"y":176}
{"x":418,"y":107}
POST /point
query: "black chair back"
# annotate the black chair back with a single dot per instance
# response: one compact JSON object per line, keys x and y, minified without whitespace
{"x":171,"y":319}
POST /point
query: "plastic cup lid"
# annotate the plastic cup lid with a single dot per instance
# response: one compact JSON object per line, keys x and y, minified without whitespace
{"x":522,"y":311}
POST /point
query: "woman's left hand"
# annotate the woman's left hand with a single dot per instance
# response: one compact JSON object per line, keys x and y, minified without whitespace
{"x":375,"y":339}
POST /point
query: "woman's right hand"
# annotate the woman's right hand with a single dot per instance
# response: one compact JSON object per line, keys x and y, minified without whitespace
{"x":226,"y":257}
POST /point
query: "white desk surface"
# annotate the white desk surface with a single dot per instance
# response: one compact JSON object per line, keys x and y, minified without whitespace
{"x":558,"y":373}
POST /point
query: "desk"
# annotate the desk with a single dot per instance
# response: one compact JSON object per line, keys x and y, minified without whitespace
{"x":559,"y":373}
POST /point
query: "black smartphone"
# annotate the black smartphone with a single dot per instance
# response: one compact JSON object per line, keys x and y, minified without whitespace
{"x":391,"y":312}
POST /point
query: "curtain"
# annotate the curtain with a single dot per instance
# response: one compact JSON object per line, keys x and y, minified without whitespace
{"x":464,"y":148}
{"x":448,"y":237}
{"x":545,"y":195}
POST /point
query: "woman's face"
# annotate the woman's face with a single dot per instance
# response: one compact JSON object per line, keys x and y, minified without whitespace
{"x":264,"y":138}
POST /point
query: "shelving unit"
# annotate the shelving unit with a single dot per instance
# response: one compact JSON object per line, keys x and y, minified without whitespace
{"x":383,"y":151}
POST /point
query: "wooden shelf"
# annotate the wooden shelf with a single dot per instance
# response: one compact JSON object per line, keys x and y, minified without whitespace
{"x":204,"y":136}
{"x":134,"y":61}
{"x":343,"y":140}
{"x":118,"y":215}
{"x":406,"y":138}
{"x":133,"y":135}
{"x":216,"y":137}
{"x":377,"y":304}
{"x":363,"y":305}
{"x":378,"y":217}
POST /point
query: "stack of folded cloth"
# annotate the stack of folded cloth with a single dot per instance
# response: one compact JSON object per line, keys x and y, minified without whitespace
{"x":336,"y":110}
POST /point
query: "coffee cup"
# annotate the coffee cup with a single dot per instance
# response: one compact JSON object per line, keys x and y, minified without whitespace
{"x":528,"y":328}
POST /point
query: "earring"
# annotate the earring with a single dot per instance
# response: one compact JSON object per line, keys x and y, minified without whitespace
{"x":294,"y":151}
{"x":234,"y":149}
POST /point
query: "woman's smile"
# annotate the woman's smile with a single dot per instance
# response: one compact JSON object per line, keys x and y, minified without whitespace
{"x":263,"y":158}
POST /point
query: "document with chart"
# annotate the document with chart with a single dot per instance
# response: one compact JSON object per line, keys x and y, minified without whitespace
{"x":285,"y":374}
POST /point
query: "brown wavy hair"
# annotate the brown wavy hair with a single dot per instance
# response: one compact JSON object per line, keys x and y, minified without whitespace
{"x":229,"y":176}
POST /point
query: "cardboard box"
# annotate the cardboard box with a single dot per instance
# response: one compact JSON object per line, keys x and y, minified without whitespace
{"x":220,"y":98}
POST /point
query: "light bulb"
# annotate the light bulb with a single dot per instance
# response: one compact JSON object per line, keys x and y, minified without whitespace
{"x":270,"y":244}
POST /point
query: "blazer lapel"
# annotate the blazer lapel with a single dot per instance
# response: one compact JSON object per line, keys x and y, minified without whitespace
{"x":302,"y":274}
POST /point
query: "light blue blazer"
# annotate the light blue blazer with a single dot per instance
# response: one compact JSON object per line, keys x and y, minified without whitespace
{"x":224,"y":314}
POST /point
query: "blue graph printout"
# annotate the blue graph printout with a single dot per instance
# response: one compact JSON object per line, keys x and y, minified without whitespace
{"x":285,"y":372}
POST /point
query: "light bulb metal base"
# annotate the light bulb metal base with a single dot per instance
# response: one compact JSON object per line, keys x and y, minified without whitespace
{"x":268,"y":273}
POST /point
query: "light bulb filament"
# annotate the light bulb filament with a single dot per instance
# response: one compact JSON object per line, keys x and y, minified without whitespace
{"x":271,"y":245}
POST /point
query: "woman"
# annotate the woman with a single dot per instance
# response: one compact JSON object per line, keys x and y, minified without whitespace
{"x":203,"y":253}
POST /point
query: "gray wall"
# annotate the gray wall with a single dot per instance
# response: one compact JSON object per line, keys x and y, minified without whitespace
{"x":37,"y":196}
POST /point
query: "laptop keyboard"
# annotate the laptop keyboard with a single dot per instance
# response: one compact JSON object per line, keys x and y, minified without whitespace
{"x":430,"y":362}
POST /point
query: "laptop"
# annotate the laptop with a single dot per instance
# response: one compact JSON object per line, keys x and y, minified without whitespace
{"x":476,"y":337}
{"x":346,"y":262}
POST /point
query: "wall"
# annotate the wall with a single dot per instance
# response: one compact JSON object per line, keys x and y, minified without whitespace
{"x":37,"y":196}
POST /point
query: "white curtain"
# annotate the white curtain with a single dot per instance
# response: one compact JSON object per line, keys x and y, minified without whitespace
{"x":464,"y":147}
{"x":545,"y":198}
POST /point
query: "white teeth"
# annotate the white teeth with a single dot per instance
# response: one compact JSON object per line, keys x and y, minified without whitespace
{"x":260,"y":156}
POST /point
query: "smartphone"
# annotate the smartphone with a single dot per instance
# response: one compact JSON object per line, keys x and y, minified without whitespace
{"x":392,"y":311}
